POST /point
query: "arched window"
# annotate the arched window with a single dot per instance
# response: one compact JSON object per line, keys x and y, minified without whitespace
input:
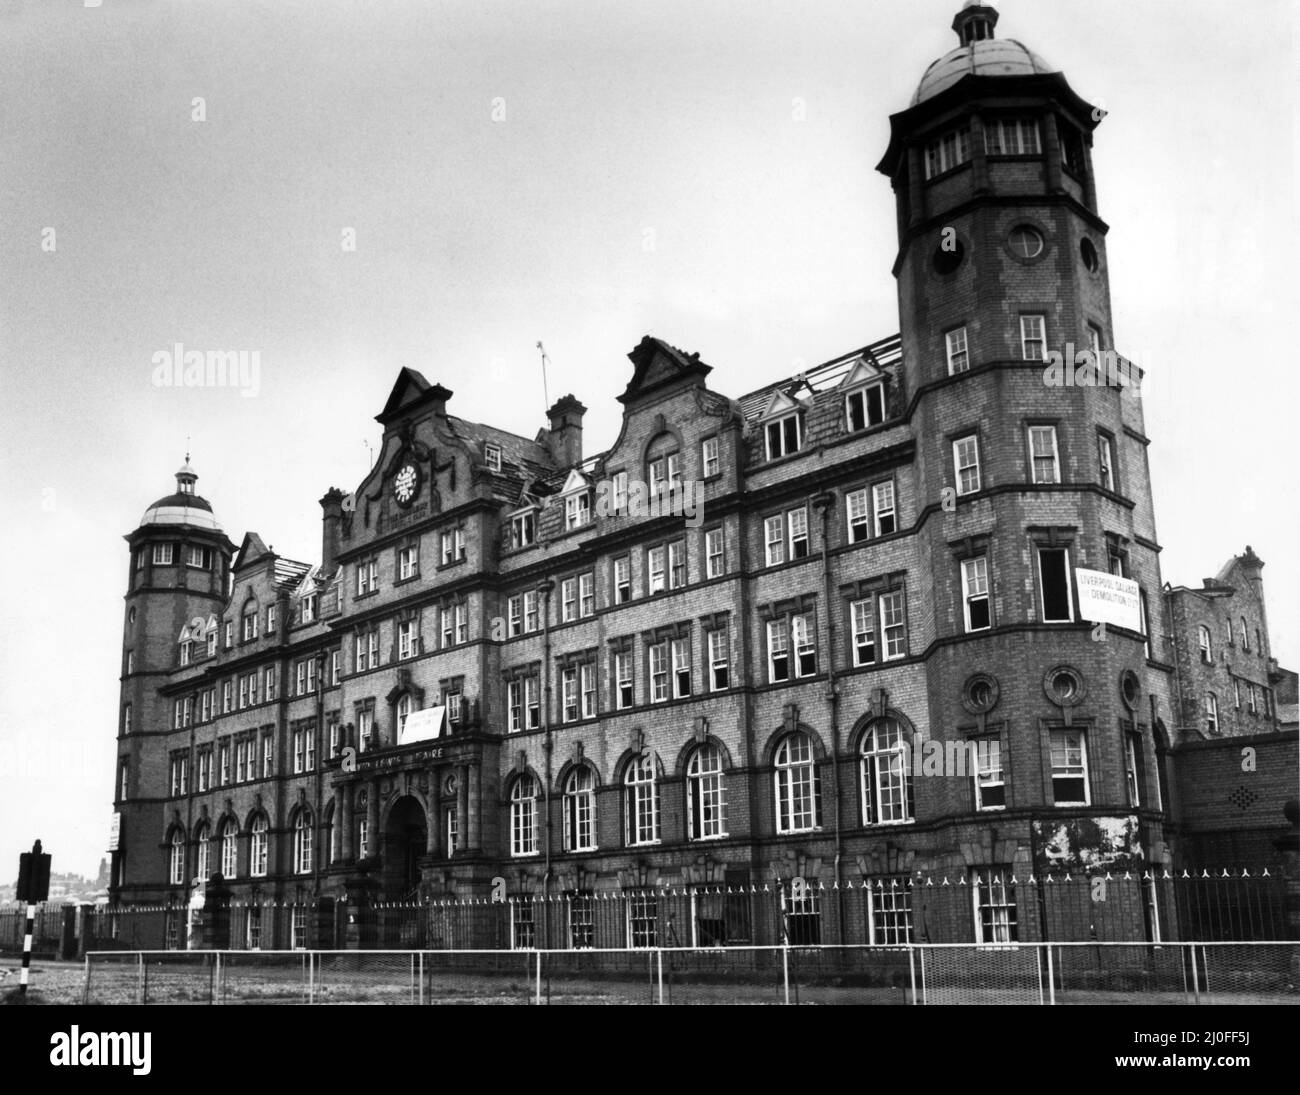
{"x":798,"y":785}
{"x":1207,"y":644}
{"x":257,"y":846}
{"x":523,"y":816}
{"x":886,"y":774}
{"x":177,"y":858}
{"x":580,"y":810}
{"x":641,"y":801}
{"x":230,"y":850}
{"x":663,"y":464}
{"x":1245,"y":636}
{"x":706,"y":796}
{"x":203,"y":852}
{"x":403,"y":709}
{"x":302,"y":843}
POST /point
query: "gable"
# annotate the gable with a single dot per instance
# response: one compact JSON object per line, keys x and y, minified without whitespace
{"x":252,"y":550}
{"x":411,"y":390}
{"x":780,"y":404}
{"x":575,"y":482}
{"x":656,"y":364}
{"x":863,"y":372}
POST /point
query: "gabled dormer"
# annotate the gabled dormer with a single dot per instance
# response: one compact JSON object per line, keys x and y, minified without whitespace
{"x":412,"y":393}
{"x":863,"y":393}
{"x":576,"y":495}
{"x":782,"y":423}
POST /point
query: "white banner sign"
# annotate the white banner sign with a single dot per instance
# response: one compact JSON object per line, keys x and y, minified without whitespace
{"x":1108,"y":598}
{"x":115,"y":831}
{"x":423,"y":725}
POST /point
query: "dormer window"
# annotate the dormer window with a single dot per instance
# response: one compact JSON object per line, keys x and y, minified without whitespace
{"x":577,"y":510}
{"x":865,"y":407}
{"x":523,"y":528}
{"x":577,"y":501}
{"x":492,"y":455}
{"x":784,"y":435}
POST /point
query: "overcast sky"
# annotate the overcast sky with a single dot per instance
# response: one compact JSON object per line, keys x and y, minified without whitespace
{"x":579,"y":173}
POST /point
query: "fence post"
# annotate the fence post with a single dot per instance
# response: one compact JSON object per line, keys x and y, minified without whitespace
{"x":924,"y":998}
{"x":218,"y":986}
{"x":785,"y":969}
{"x":537,"y":993}
{"x":311,"y":977}
{"x":911,"y":969}
{"x":139,"y":979}
{"x":420,"y":997}
{"x":1051,"y":978}
{"x":85,"y":992}
{"x":1196,"y":981}
{"x":659,"y":961}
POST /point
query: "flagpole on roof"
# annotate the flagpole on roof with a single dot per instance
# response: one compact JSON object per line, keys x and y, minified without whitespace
{"x":545,"y":395}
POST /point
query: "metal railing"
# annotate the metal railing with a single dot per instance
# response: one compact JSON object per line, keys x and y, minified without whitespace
{"x":916,"y":974}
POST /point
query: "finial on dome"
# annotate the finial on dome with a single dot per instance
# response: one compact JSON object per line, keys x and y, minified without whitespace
{"x":975,"y":22}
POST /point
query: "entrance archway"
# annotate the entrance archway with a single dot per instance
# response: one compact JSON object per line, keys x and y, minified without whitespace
{"x":406,"y":837}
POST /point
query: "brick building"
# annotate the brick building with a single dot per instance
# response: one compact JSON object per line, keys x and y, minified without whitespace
{"x":693,"y":658}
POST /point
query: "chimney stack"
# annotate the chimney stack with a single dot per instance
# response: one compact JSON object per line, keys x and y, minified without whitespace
{"x":566,"y":431}
{"x":332,"y":518}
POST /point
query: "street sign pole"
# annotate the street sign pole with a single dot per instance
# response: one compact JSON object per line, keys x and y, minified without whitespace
{"x":33,"y":886}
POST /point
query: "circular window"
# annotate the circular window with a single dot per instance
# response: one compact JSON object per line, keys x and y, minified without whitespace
{"x":1064,"y":686}
{"x":980,"y":694}
{"x":1025,"y":242}
{"x":947,"y":259}
{"x":1089,"y":254}
{"x":1130,"y":689}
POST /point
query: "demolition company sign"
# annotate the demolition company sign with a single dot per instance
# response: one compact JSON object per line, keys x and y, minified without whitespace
{"x":1108,"y":598}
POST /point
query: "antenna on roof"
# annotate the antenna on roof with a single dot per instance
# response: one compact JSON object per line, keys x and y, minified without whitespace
{"x":545,"y":395}
{"x":370,"y":456}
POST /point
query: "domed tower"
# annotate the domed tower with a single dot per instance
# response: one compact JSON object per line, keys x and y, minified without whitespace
{"x":1034,"y":473}
{"x":179,"y":575}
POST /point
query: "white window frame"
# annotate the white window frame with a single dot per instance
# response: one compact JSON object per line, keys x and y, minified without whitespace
{"x":796,"y":783}
{"x":884,"y":503}
{"x":641,"y":801}
{"x":891,"y":608}
{"x":622,"y":579}
{"x":778,"y":651}
{"x":1063,"y":767}
{"x":719,"y":647}
{"x":885,"y":775}
{"x":780,"y":426}
{"x":1106,"y":460}
{"x":975,"y":586}
{"x":1033,"y":337}
{"x":579,"y":810}
{"x":680,"y":653}
{"x":710,"y":459}
{"x":857,"y":515}
{"x":657,"y":569}
{"x":1035,"y":455}
{"x":865,"y":406}
{"x":958,"y":350}
{"x":799,"y":536}
{"x":774,"y":539}
{"x":162,"y":555}
{"x":624,"y":680}
{"x":989,"y":772}
{"x":408,"y":564}
{"x":660,"y":688}
{"x":962,"y":462}
{"x":706,"y":794}
{"x":523,"y":817}
{"x":715,"y":557}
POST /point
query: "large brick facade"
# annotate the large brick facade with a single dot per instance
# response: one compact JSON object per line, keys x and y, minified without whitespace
{"x":766,"y":773}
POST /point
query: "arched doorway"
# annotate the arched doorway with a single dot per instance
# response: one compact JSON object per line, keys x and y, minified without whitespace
{"x":405,"y":842}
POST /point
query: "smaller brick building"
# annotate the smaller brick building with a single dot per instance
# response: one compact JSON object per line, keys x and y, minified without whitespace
{"x":1220,"y":648}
